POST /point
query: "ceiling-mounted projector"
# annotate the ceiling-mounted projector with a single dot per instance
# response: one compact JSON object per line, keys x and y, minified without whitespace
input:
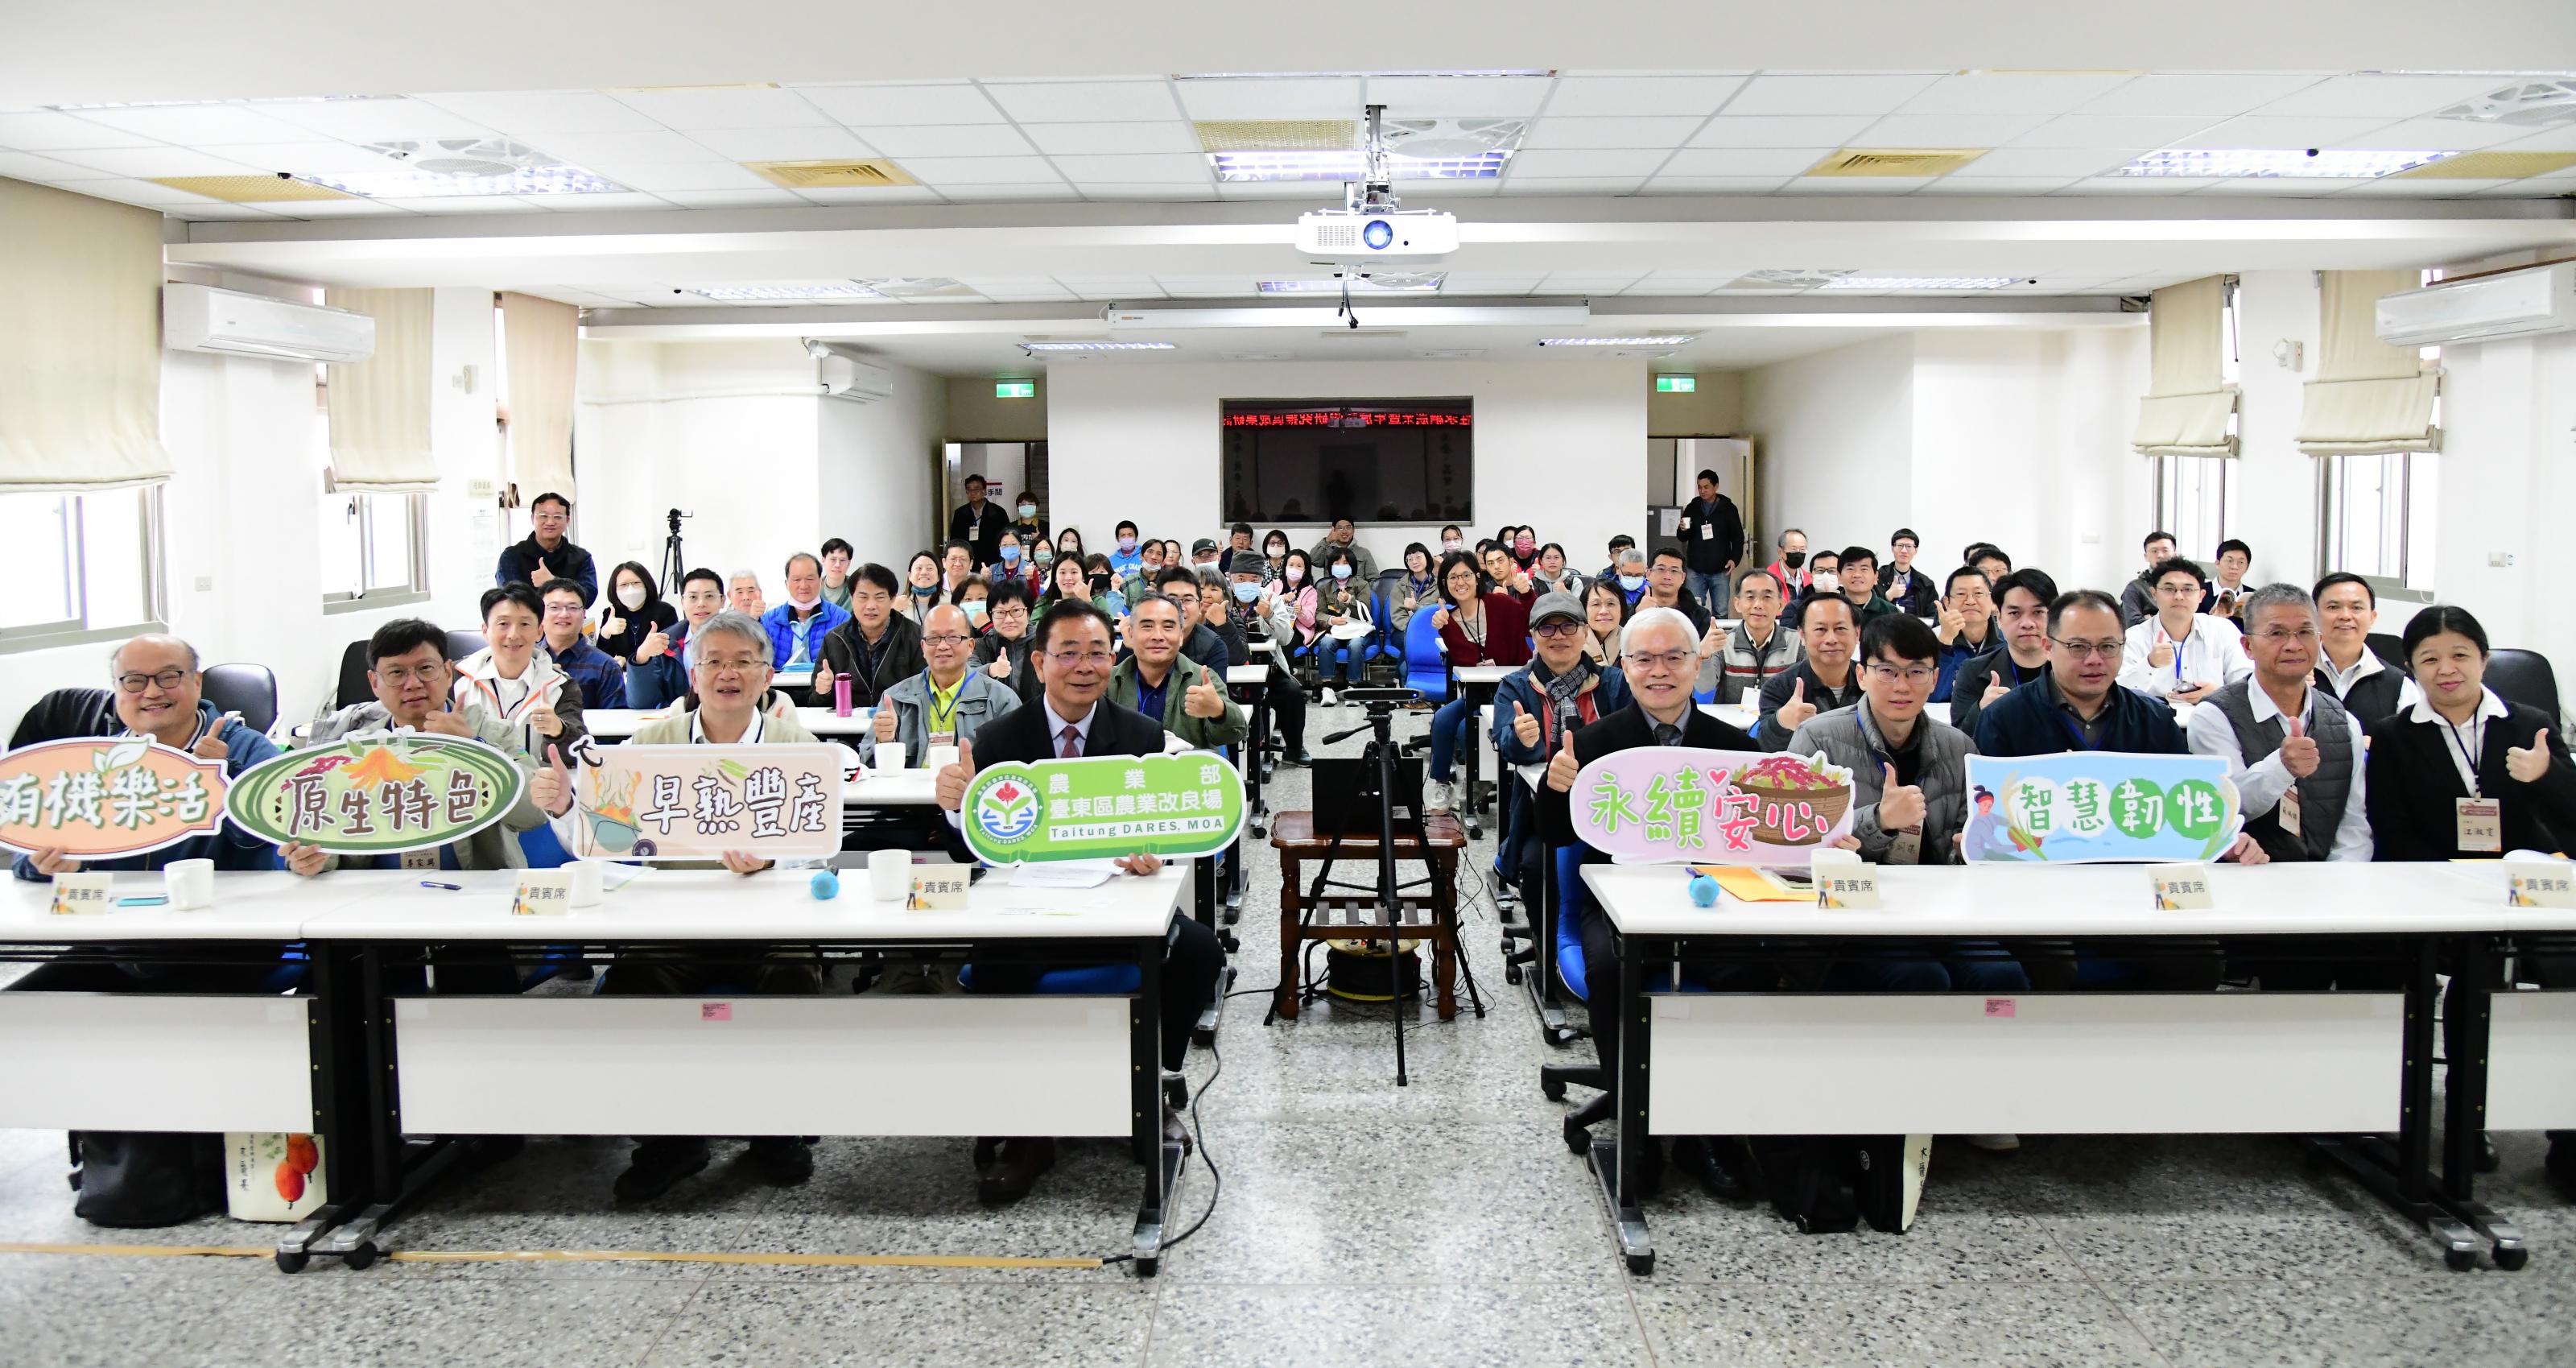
{"x":1371,"y":225}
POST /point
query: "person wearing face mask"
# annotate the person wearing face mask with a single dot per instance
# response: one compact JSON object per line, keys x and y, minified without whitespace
{"x":1268,"y":617}
{"x":1099,"y":583}
{"x":1619,"y":545}
{"x":978,"y":522}
{"x":1296,"y":587}
{"x":1274,"y":555}
{"x":1345,"y":537}
{"x":1451,"y":539}
{"x":1040,"y":571}
{"x":1790,"y":567}
{"x":638,"y":629}
{"x":1128,"y":556}
{"x":922,"y":590}
{"x":797,"y":627}
{"x":1341,"y":599}
{"x":1139,"y":582}
{"x":1525,"y":550}
{"x":837,"y":555}
{"x":972,"y":598}
{"x":1629,"y":572}
{"x":1028,"y":527}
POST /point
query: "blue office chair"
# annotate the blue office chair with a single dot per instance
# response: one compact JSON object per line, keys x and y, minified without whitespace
{"x":1088,"y":980}
{"x":1573,"y":905}
{"x":1426,"y":670}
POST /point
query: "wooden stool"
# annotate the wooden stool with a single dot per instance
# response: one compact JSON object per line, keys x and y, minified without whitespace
{"x":1292,"y":834}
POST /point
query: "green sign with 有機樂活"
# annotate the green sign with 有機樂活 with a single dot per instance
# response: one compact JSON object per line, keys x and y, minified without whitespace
{"x":1103,"y":807}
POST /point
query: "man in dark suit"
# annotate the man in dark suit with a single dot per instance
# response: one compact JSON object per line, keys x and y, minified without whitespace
{"x":1070,"y":719}
{"x":978,"y":522}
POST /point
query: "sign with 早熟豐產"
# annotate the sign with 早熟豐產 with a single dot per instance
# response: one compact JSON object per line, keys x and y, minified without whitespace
{"x":1101,"y":807}
{"x":2100,"y":806}
{"x":1687,"y":805}
{"x":376,"y":793}
{"x":698,"y":802}
{"x":100,"y":797}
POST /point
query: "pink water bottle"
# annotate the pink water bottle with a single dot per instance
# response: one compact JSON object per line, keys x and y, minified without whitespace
{"x":841,"y":696}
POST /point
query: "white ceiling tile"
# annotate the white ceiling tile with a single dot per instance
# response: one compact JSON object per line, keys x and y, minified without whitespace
{"x":375,"y":120}
{"x":1828,"y":94}
{"x":1095,"y":139}
{"x":454,"y":204}
{"x":1085,"y":101}
{"x":1640,"y":161}
{"x":659,"y":176}
{"x":1858,"y":185}
{"x":582,"y":149}
{"x":1744,"y":161}
{"x":2282,"y":187}
{"x":1173,"y":192}
{"x":903,"y":104}
{"x":2380,"y":97}
{"x":1140,"y":168}
{"x":1571,"y":185}
{"x":157,"y":161}
{"x":735,"y":199}
{"x":1957,"y":184}
{"x":1789,"y":130}
{"x":696,"y":109}
{"x":2312,"y":131}
{"x":1948,"y":130}
{"x":131,"y":191}
{"x":946,"y":171}
{"x":946,"y":140}
{"x":2436,"y":135}
{"x":1270,"y":190}
{"x":597,"y":203}
{"x":304,"y":158}
{"x":213,"y":213}
{"x":1690,"y":96}
{"x":530,"y":113}
{"x":2399,"y":187}
{"x":346,"y":208}
{"x":863,"y":195}
{"x":1641,"y":131}
{"x":27,"y":166}
{"x":2065,"y":163}
{"x":45,"y":132}
{"x":2012,"y":93}
{"x":783,"y":144}
{"x":191,"y":125}
{"x":2139,"y":132}
{"x":1714,"y":185}
{"x":2212,"y":95}
{"x":2561,"y":139}
{"x":1428,"y":97}
{"x":2138,"y":185}
{"x":1332,"y":97}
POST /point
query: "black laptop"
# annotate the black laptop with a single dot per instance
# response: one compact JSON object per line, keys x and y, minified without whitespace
{"x":1346,"y":797}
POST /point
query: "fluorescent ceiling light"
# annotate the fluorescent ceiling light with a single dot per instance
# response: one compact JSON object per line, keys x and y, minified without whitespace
{"x":759,"y":293}
{"x":1860,"y":282}
{"x":1384,"y":282}
{"x":2333,"y":163}
{"x":1796,"y":277}
{"x":1387,"y":315}
{"x":1350,"y":164}
{"x":1674,"y":340}
{"x":463,"y":166}
{"x":1095,"y":346}
{"x":1315,"y":75}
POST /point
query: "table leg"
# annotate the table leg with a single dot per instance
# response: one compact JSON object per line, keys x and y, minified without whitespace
{"x":2402,"y":1175}
{"x":1291,"y":916}
{"x":1617,"y":1162}
{"x":1162,"y":1160}
{"x":340,"y":1108}
{"x":1444,"y":935}
{"x":2467,"y":1026}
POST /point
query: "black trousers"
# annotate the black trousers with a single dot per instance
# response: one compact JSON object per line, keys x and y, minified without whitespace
{"x":1286,"y":700}
{"x":1193,"y":963}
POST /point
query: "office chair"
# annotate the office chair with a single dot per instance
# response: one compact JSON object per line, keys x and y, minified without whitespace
{"x":250,"y":691}
{"x":462,"y":643}
{"x":65,"y":713}
{"x":2524,"y":677}
{"x":353,"y":688}
{"x":2390,"y":649}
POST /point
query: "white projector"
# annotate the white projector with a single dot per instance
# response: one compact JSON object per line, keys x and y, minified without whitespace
{"x":1376,"y":234}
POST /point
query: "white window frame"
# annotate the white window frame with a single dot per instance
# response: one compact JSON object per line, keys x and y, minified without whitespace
{"x":355,"y":504}
{"x":2166,"y":472}
{"x":79,"y":629}
{"x":2412,"y":582}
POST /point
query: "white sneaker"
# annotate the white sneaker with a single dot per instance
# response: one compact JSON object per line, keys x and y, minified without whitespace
{"x":1436,"y":796}
{"x":1328,"y":698}
{"x":1995,"y":1144}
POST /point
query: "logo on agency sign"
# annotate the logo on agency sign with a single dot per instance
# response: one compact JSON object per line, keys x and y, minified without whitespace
{"x":1007,"y":812}
{"x":1103,"y":806}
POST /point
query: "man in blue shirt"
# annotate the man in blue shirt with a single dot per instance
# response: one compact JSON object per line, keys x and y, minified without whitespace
{"x":601,"y":676}
{"x":798,"y":626}
{"x":1126,"y":557}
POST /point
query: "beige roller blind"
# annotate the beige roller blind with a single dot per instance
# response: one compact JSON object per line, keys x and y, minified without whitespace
{"x":80,"y":342}
{"x":2368,"y":396}
{"x":541,"y":339}
{"x":380,"y":406}
{"x":2188,"y":400}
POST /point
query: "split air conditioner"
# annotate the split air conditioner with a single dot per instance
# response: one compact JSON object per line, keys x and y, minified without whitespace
{"x":231,"y":323}
{"x":2522,"y":303}
{"x":846,"y":377}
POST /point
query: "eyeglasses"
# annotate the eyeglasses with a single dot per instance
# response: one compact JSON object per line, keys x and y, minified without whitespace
{"x":945,"y":639}
{"x":1658,"y":660}
{"x":1071,"y":658}
{"x":2087,"y":650}
{"x":739,"y":664}
{"x":1916,"y":675}
{"x":167,"y":679}
{"x":1556,"y":631}
{"x":1015,"y":610}
{"x":2302,"y":634}
{"x":400,"y":675}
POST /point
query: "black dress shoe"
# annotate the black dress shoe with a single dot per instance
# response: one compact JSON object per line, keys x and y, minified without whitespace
{"x":485,"y":1150}
{"x":783,"y":1160}
{"x":985,"y":1148}
{"x":658,"y":1163}
{"x":1015,"y":1169}
{"x":1700,"y":1157}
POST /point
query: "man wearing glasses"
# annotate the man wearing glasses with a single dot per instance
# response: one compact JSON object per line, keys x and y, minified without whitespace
{"x":949,"y":701}
{"x":1828,"y":631}
{"x":601,"y":676}
{"x":548,"y":555}
{"x":2294,"y":752}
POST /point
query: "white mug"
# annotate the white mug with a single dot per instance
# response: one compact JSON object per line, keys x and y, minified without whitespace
{"x":889,"y":875}
{"x":588,"y":876}
{"x":190,"y":884}
{"x":938,"y":758}
{"x":889,"y":755}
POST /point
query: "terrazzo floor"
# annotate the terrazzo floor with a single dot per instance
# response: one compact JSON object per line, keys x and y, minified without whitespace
{"x":1443,"y":1223}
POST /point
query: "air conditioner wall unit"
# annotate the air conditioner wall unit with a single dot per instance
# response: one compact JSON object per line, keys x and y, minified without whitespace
{"x":201,"y":318}
{"x":855,"y":380}
{"x":2541,"y":299}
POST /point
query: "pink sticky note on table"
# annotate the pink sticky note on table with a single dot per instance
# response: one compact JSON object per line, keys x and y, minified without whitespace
{"x":2001,"y":1007}
{"x":723,"y":1011}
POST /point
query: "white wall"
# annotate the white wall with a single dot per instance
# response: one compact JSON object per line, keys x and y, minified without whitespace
{"x":1982,"y":443}
{"x":1560,"y":444}
{"x":1834,"y":436}
{"x":2276,"y":483}
{"x":880,"y":466}
{"x":2507,"y":479}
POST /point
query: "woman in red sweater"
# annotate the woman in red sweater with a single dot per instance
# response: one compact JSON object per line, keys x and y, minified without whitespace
{"x":1479,"y":625}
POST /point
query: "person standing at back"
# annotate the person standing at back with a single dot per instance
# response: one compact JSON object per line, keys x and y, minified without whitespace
{"x":1901,"y":583}
{"x":978,"y":522}
{"x":1712,"y":537}
{"x":2138,"y":596}
{"x":2023,"y":624}
{"x":2367,"y":686}
{"x":547,"y":555}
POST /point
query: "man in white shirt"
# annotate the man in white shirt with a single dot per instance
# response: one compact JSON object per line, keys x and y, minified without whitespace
{"x":2180,"y":653}
{"x":2367,"y":686}
{"x":2293,"y":751}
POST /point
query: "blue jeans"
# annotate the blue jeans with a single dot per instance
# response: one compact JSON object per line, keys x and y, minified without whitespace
{"x":1449,"y":730}
{"x":1329,"y":665}
{"x":1710,"y":589}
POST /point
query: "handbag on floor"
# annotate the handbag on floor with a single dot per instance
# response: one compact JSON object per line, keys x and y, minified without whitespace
{"x":137,"y":1180}
{"x":1889,"y":1183}
{"x":1809,"y":1179}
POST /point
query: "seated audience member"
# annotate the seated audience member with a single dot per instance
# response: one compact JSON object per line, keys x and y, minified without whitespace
{"x":548,"y":555}
{"x":1824,"y":679}
{"x":2367,"y":686}
{"x":1267,"y":616}
{"x":1987,"y":560}
{"x":1029,"y":527}
{"x":797,"y":627}
{"x":2138,"y":596}
{"x":1605,"y":613}
{"x":1345,"y":536}
{"x":1002,"y":653}
{"x":837,"y":556}
{"x":1297,"y":590}
{"x":1562,"y":690}
{"x":1620,"y":545}
{"x":1757,"y":647}
{"x":600,"y":677}
{"x":2181,"y":652}
{"x":2461,"y":742}
{"x":1901,"y":584}
{"x":1158,"y":681}
{"x":922,"y":589}
{"x":1341,"y":598}
{"x":1413,"y":588}
{"x":974,"y":598}
{"x":1628,"y":571}
{"x":641,"y":631}
{"x":1135,"y":584}
{"x":1238,"y":537}
{"x":1966,"y":628}
{"x":1666,"y":574}
{"x":513,"y":683}
{"x":742,"y":594}
{"x":702,"y":596}
{"x":1477,"y":626}
{"x":1200,"y":639}
{"x":956,"y":566}
{"x":1504,"y":576}
{"x":1451,"y":539}
{"x":1274,"y":556}
{"x":949,"y":699}
{"x":2292,"y":750}
{"x":729,"y":668}
{"x":1523,"y":545}
{"x":1011,"y":562}
{"x":1790,"y":566}
{"x":1073,"y":718}
{"x":2222,"y":595}
{"x":1068,"y":545}
{"x":1857,"y":569}
{"x":1553,"y":575}
{"x":1824,"y":576}
{"x":1217,"y":616}
{"x":2023,"y":657}
{"x":875,"y":648}
{"x":1099,"y":579}
{"x":1205,"y":554}
{"x":1128,"y":555}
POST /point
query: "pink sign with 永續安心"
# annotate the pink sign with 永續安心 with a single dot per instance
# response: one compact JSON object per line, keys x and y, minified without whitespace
{"x":1690,"y":806}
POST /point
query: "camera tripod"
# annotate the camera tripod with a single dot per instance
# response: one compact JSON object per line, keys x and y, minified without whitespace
{"x":673,"y":565}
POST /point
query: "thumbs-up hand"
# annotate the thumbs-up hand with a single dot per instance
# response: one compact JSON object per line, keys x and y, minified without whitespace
{"x":884,"y":722}
{"x":2162,"y":655}
{"x":2299,"y":754}
{"x":1204,"y":699}
{"x":2525,"y":765}
{"x":954,"y":778}
{"x":1562,"y":767}
{"x":1001,"y":666}
{"x":612,"y":625}
{"x":822,"y":678}
{"x":1953,"y":622}
{"x":1713,"y":640}
{"x":1524,"y":726}
{"x":1996,"y":688}
{"x":551,"y":788}
{"x":542,"y":719}
{"x":541,"y":576}
{"x":1440,"y":619}
{"x":1794,"y":713}
{"x":211,"y":745}
{"x":447,"y":721}
{"x":655,"y":646}
{"x":1900,"y":806}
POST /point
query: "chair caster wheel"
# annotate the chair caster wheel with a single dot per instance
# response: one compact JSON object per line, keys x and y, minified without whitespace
{"x":1578,"y":1139}
{"x":292,"y":1260}
{"x":1554,"y":1090}
{"x":2511,"y":1260}
{"x":1146,"y":1268}
{"x":2460,"y":1260}
{"x":1641,"y":1264}
{"x":1512,"y":974}
{"x":362,"y":1257}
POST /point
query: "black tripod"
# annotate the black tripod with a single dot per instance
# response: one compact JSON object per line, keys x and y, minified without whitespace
{"x":673,"y":566}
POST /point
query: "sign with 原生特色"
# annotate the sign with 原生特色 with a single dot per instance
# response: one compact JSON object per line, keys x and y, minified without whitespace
{"x":2091,"y":807}
{"x":1683,"y":804}
{"x":376,"y":793}
{"x":698,"y":802}
{"x":1102,"y":807}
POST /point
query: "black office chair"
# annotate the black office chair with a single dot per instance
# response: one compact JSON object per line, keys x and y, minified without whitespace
{"x":2524,"y":677}
{"x":354,"y":688}
{"x":2390,"y":649}
{"x":65,"y":713}
{"x":247,"y":690}
{"x":462,"y":643}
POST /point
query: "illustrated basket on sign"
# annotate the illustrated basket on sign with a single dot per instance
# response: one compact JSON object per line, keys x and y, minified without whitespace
{"x":1784,"y":781}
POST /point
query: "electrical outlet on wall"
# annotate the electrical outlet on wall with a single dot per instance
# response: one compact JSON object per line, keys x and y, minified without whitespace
{"x":205,"y":584}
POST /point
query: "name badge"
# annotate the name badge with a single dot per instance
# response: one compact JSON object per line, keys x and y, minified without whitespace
{"x":946,"y":738}
{"x":1906,"y":849}
{"x":542,"y":893}
{"x":1708,"y":531}
{"x":78,"y":895}
{"x":2290,"y":812}
{"x":2549,"y":885}
{"x":1855,"y":887}
{"x":938,"y":888}
{"x":2481,"y":825}
{"x":2180,"y":887}
{"x":420,"y":859}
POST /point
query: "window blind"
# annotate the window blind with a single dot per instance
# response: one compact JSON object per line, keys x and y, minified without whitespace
{"x":380,"y":406}
{"x":80,"y":362}
{"x":2368,"y":397}
{"x":2188,"y":400}
{"x":542,"y":340}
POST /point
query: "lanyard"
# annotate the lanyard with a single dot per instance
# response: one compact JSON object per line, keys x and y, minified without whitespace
{"x":943,"y":706}
{"x":2470,"y":749}
{"x":2074,"y":731}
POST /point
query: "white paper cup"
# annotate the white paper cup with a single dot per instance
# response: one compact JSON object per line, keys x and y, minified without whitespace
{"x":1833,"y":859}
{"x":889,"y":875}
{"x":889,"y":755}
{"x":587,"y":878}
{"x":190,"y":884}
{"x":938,"y":758}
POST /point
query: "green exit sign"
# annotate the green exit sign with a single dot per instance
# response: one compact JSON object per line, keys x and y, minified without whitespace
{"x":1676,"y":384}
{"x":1015,"y":389}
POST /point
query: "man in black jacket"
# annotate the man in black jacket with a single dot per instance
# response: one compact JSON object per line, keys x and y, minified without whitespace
{"x":1712,"y":538}
{"x":2367,"y":686}
{"x":978,"y":523}
{"x":875,"y":648}
{"x":547,"y":555}
{"x":2022,"y":599}
{"x":1074,"y":718}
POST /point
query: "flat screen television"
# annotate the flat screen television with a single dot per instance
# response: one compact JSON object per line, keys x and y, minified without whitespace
{"x":1371,"y":460}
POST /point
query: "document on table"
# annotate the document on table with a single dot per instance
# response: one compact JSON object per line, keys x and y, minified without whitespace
{"x":1063,"y":874}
